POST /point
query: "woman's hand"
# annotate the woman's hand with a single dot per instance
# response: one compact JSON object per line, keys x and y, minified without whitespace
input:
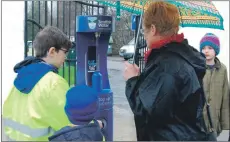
{"x":131,"y":70}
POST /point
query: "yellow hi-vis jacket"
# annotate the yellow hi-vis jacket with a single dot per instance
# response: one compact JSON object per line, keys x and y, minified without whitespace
{"x":35,"y":116}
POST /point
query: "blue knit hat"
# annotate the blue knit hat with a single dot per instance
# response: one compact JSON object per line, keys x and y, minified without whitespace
{"x":212,"y":40}
{"x":81,"y":104}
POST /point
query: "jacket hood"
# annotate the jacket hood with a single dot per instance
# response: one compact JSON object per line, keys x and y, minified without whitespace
{"x":191,"y":55}
{"x":89,"y":132}
{"x":30,"y":71}
{"x":187,"y":52}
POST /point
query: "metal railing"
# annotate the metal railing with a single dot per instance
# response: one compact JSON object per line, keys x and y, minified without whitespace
{"x":61,"y":14}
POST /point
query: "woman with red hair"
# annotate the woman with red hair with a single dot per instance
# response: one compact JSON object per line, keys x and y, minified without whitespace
{"x":166,"y":98}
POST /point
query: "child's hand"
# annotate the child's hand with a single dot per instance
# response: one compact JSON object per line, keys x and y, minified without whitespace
{"x":100,"y":123}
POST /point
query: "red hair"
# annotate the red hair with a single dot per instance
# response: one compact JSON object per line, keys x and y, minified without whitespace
{"x":164,"y":16}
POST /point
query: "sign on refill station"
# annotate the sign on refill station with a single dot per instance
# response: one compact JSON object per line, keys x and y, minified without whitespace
{"x":92,"y":40}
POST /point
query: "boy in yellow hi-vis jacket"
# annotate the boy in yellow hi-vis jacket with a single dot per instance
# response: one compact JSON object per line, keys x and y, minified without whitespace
{"x":34,"y":108}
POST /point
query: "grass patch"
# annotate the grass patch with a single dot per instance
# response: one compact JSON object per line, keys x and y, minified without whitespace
{"x":69,"y":73}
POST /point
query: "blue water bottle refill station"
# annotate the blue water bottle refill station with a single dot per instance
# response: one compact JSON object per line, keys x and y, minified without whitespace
{"x":92,"y":40}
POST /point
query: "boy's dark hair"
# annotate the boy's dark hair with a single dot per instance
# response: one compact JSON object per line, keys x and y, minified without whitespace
{"x":50,"y":37}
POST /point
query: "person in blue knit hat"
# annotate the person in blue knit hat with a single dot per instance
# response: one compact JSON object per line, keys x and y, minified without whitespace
{"x":81,"y":108}
{"x":212,"y":41}
{"x":216,"y":85}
